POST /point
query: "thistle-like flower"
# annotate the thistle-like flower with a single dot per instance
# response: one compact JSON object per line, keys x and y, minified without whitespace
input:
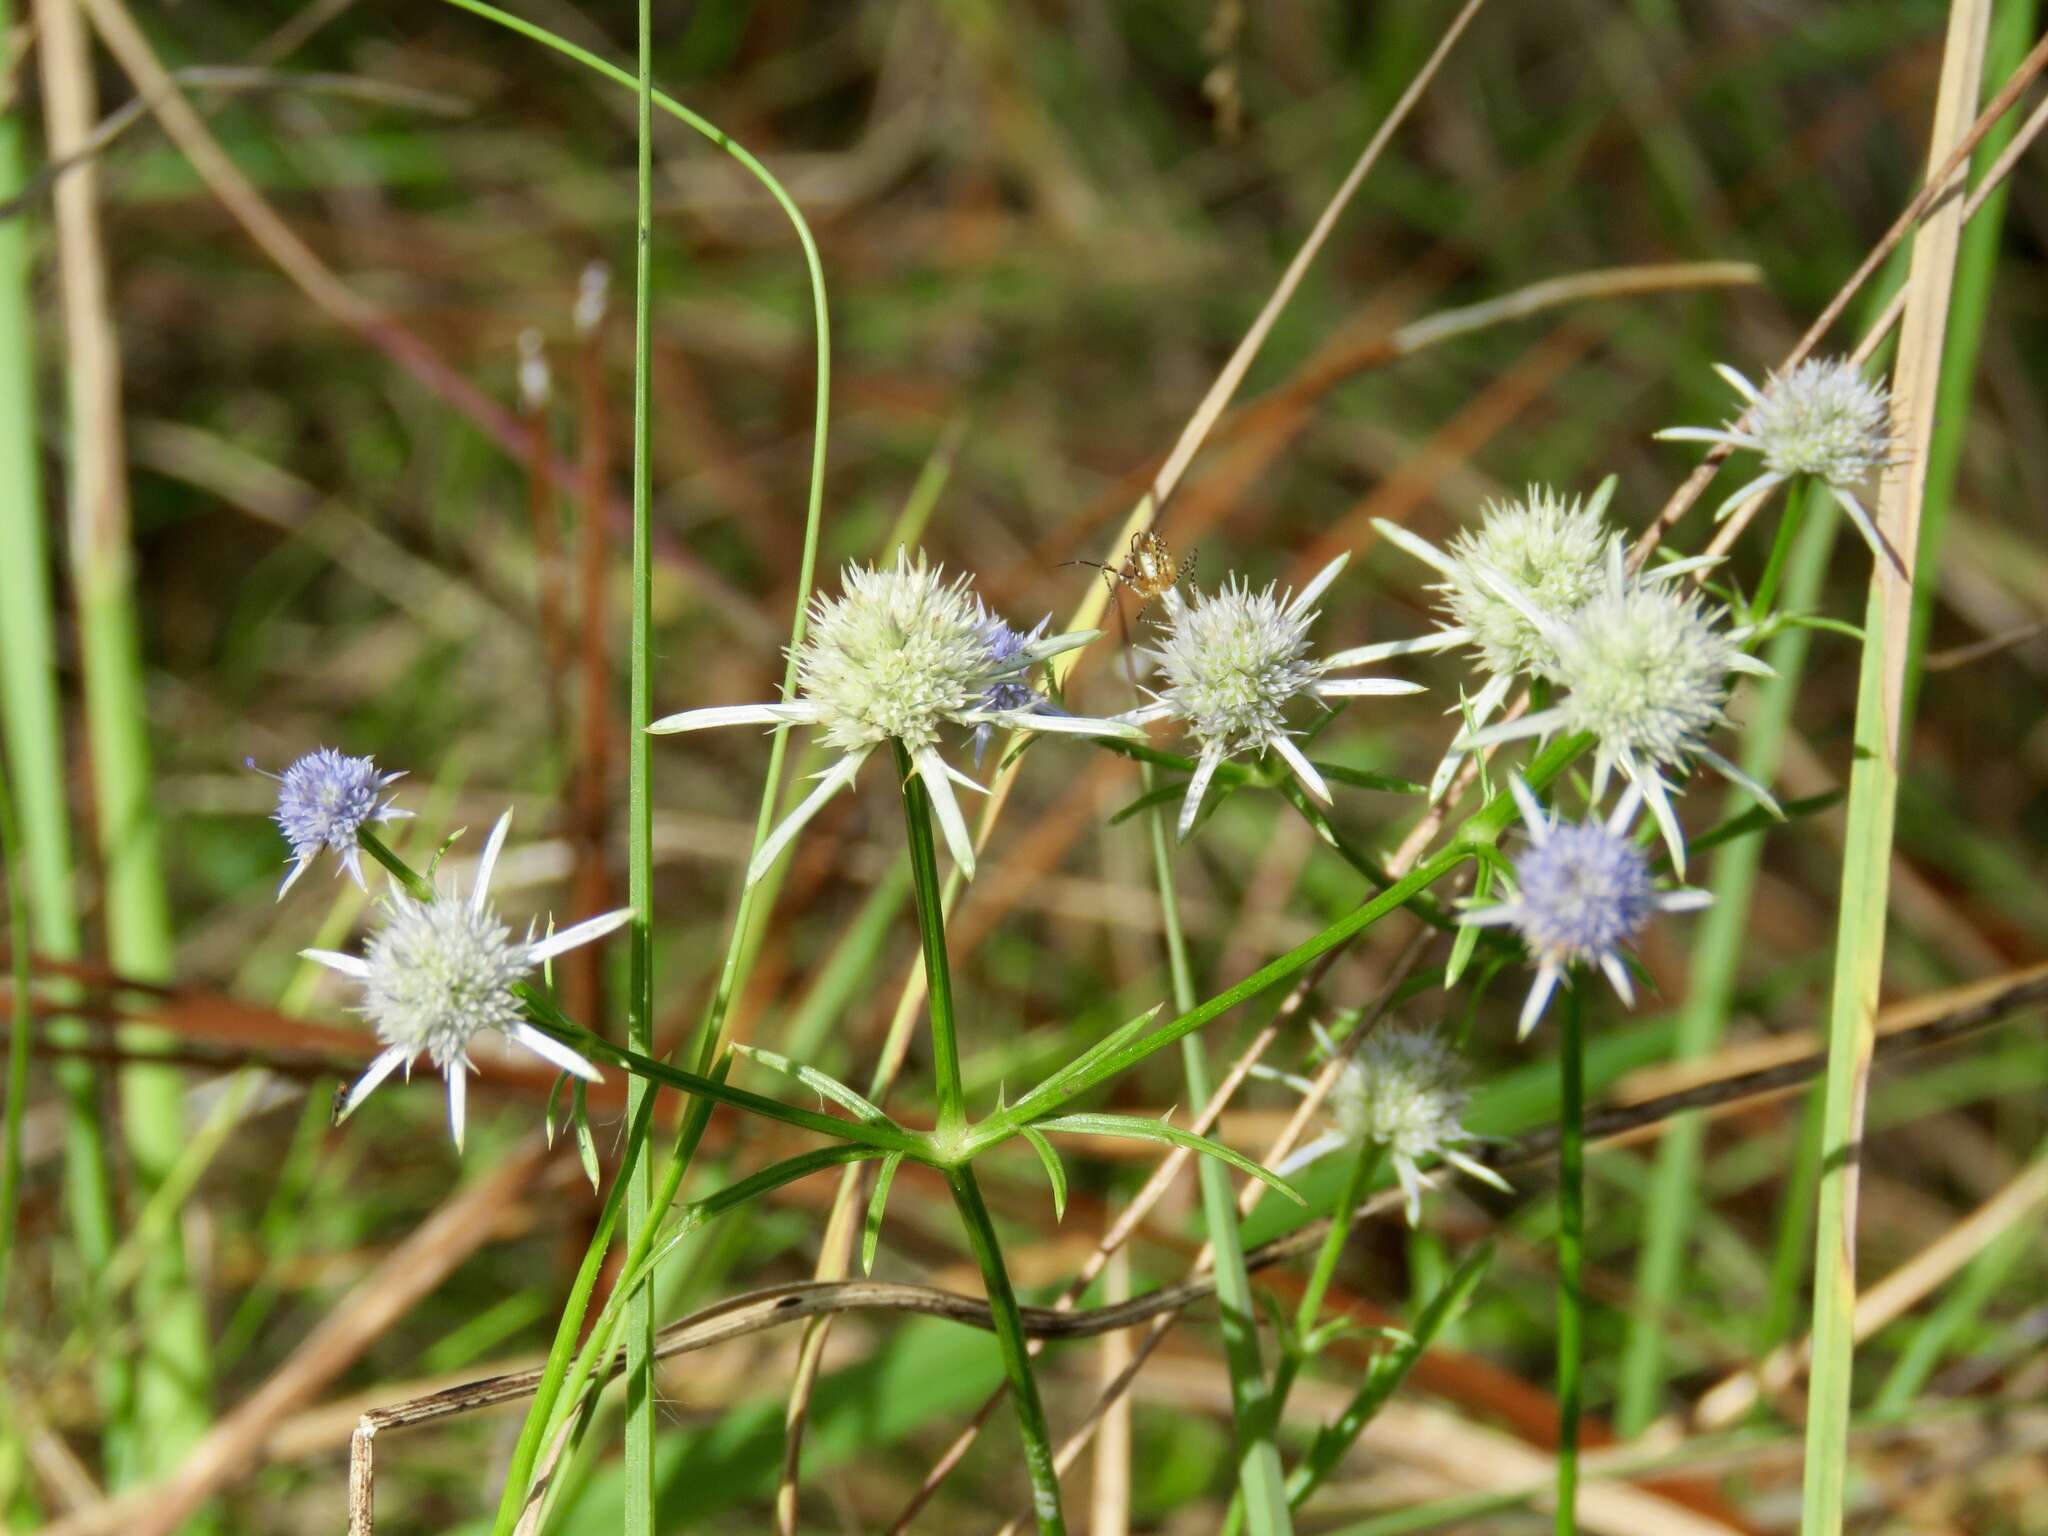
{"x":1822,"y":419}
{"x":1645,"y":670}
{"x":1232,"y":663}
{"x":900,"y":655}
{"x":323,"y":801}
{"x":1403,"y":1091}
{"x":1549,"y":553}
{"x":1582,"y":892}
{"x":438,"y":973}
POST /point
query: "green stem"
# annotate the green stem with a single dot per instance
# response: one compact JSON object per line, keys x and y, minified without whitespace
{"x":46,"y":920}
{"x":1356,"y":1179}
{"x":533,"y":1433}
{"x":738,"y":956}
{"x":931,"y":930}
{"x":1357,"y":1175}
{"x":1016,"y":1351}
{"x":416,"y":884}
{"x":17,"y":1033}
{"x":981,"y":1232}
{"x":1880,"y":744}
{"x":640,"y":1209}
{"x":1571,"y":1240}
{"x":1254,"y":1405}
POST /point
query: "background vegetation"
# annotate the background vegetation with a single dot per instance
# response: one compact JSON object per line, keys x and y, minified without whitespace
{"x":1043,"y":228}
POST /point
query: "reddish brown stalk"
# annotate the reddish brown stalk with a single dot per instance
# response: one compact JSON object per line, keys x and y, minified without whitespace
{"x":591,"y":882}
{"x":534,"y":393}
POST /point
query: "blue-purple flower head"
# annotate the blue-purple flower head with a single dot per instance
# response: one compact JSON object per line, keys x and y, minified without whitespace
{"x":324,"y":800}
{"x":1010,"y":658}
{"x":1583,"y":893}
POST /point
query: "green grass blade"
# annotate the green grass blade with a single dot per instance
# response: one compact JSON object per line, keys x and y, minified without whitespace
{"x":1254,"y":1406}
{"x":1873,"y":805}
{"x":1669,"y":1213}
{"x":44,"y":917}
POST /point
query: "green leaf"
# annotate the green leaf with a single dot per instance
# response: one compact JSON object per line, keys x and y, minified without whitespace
{"x":1362,"y":778}
{"x":774,"y":1176}
{"x":1055,"y":1171}
{"x":871,"y":1228}
{"x":1086,"y":1059}
{"x":547,"y":1120}
{"x":1384,"y":1378}
{"x":818,"y":1082}
{"x":586,"y":1143}
{"x":1758,"y":819}
{"x":1138,"y":1128}
{"x":1164,"y":795}
{"x":1467,"y":941}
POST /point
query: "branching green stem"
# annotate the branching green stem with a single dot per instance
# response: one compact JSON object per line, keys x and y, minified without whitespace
{"x":981,"y":1232}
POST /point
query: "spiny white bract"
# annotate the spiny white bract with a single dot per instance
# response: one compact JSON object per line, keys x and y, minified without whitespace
{"x":439,"y":973}
{"x":323,"y":801}
{"x":898,"y":656}
{"x":1644,"y":668}
{"x":1582,"y":894}
{"x":1403,"y":1092}
{"x":1232,"y":662}
{"x":1822,"y":419}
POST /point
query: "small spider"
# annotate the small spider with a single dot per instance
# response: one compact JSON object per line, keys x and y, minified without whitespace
{"x":1149,"y":570}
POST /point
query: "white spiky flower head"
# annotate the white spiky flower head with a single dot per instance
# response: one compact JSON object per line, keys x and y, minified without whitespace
{"x":436,"y":974}
{"x":1644,"y":666}
{"x":1403,"y":1091}
{"x":324,"y":800}
{"x":900,"y":655}
{"x":1232,"y":662}
{"x":1582,"y":893}
{"x":1551,"y":550}
{"x":1823,"y":419}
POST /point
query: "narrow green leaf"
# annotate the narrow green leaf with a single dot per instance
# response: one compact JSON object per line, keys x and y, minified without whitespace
{"x":871,"y":1229}
{"x":1114,"y":1040}
{"x":1467,"y":941}
{"x":1138,"y":1128}
{"x":1363,"y":778}
{"x":818,"y":1082}
{"x":1166,"y":794}
{"x":547,"y":1121}
{"x":586,"y":1143}
{"x":775,"y":1175}
{"x":1757,"y":819}
{"x":1055,"y":1170}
